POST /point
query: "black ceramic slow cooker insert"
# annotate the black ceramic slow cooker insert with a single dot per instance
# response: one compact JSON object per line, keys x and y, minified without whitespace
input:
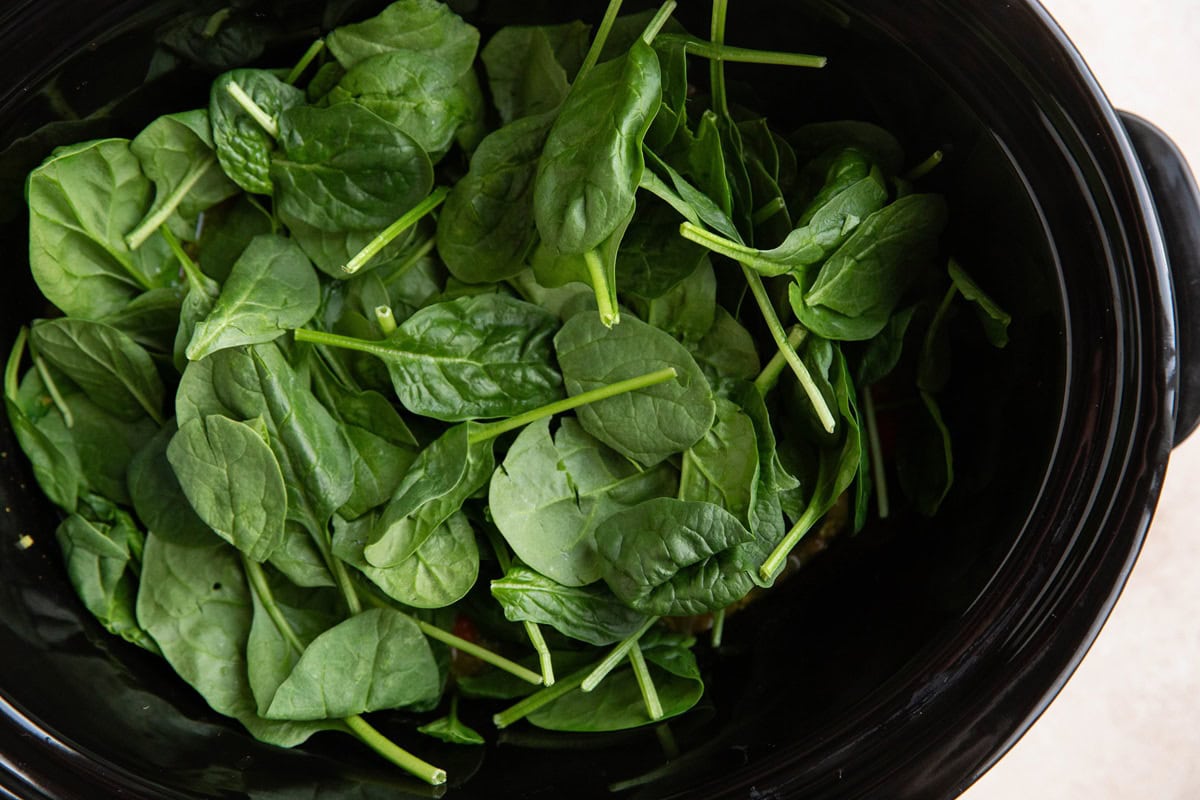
{"x":901,"y":664}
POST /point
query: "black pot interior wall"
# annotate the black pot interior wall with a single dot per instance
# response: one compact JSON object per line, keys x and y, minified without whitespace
{"x":838,"y":643}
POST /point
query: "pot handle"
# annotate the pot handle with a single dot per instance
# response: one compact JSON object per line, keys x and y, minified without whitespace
{"x":1177,"y":199}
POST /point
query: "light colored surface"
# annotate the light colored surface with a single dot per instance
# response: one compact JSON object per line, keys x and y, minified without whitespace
{"x":1127,"y":726}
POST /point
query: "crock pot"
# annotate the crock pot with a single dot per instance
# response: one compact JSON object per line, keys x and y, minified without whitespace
{"x":902,"y":663}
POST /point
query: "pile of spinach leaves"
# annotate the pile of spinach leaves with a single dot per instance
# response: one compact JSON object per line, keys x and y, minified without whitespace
{"x":539,"y":337}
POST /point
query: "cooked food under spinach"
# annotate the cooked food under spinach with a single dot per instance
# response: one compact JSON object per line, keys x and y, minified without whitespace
{"x":522,"y":352}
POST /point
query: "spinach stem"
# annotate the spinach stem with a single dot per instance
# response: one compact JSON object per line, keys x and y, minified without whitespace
{"x":725,"y":247}
{"x":602,"y":31}
{"x":655,"y":185}
{"x":781,"y":341}
{"x":718,"y":628}
{"x":213,"y":24}
{"x":774,"y":562}
{"x":146,"y":228}
{"x":52,"y":388}
{"x":483,"y":654}
{"x":540,"y":698}
{"x":877,"y":469}
{"x":264,"y":120}
{"x":609,"y":314}
{"x":646,"y":683}
{"x":768,"y":210}
{"x":356,"y":725}
{"x":615,"y":657}
{"x":257,"y":578}
{"x":657,"y":22}
{"x":385,"y":319}
{"x":483,"y":433}
{"x":385,"y":747}
{"x":716,"y":67}
{"x":192,"y":272}
{"x":342,"y":577}
{"x":545,"y":661}
{"x":12,"y":370}
{"x":717,"y":51}
{"x":312,"y":52}
{"x":926,"y":166}
{"x":406,"y":220}
{"x":767,"y":379}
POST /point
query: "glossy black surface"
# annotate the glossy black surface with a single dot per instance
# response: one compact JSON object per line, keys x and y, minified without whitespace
{"x":1177,"y":200}
{"x":901,"y":664}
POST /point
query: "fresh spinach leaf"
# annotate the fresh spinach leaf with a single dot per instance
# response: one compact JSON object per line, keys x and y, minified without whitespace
{"x":243,"y":146}
{"x":425,"y":26}
{"x":722,"y":466}
{"x":530,"y":68}
{"x":647,"y":425}
{"x":669,"y":557}
{"x":548,"y":496}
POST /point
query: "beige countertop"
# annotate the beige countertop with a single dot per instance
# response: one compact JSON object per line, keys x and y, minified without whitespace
{"x":1127,"y":725}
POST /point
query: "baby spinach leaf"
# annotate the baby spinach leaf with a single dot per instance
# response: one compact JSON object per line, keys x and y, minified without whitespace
{"x":345,"y":168}
{"x":374,"y":660}
{"x":196,"y":605}
{"x":879,"y":260}
{"x":653,"y":257}
{"x":596,"y":268}
{"x":591,"y":614}
{"x":647,"y":425}
{"x":924,"y":457}
{"x":437,"y":573}
{"x":592,"y":163}
{"x":176,"y":153}
{"x":669,"y":557}
{"x":271,"y":655}
{"x":157,"y":497}
{"x":332,"y":250}
{"x":232,"y":480}
{"x":882,"y":352}
{"x":226,"y":231}
{"x":423,"y":97}
{"x":102,"y":560}
{"x":309,"y":445}
{"x":272,"y":288}
{"x":442,"y":477}
{"x":104,"y":444}
{"x":56,"y":466}
{"x":687,"y":310}
{"x":243,"y":147}
{"x":616,"y":704}
{"x":299,"y":557}
{"x":550,"y":494}
{"x":150,"y":319}
{"x":726,"y":351}
{"x":451,"y":729}
{"x":82,"y":201}
{"x":818,"y":138}
{"x":486,"y":226}
{"x":107,"y":365}
{"x":481,"y":356}
{"x":529,"y":68}
{"x":994,"y":319}
{"x":425,"y":26}
{"x":721,"y":467}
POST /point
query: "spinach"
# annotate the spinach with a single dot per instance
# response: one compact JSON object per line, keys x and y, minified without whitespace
{"x":82,"y":201}
{"x":548,"y":496}
{"x":344,"y":168}
{"x":272,"y":288}
{"x":376,"y":659}
{"x":591,"y":614}
{"x":425,"y":26}
{"x":115,"y":373}
{"x":471,"y":358}
{"x":529,"y":68}
{"x":486,"y":226}
{"x":592,"y":161}
{"x":244,"y":146}
{"x":176,"y":153}
{"x":647,"y":425}
{"x":669,"y":557}
{"x":310,"y":517}
{"x":423,"y":98}
{"x":232,"y":480}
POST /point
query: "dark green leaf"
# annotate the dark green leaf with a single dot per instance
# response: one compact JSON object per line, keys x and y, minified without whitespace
{"x":592,"y":614}
{"x":243,"y":147}
{"x":425,"y":26}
